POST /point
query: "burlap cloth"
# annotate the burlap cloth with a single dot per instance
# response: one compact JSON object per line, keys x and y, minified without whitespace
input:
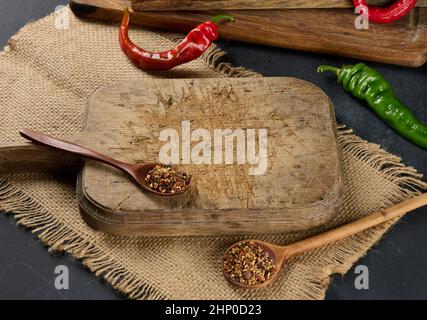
{"x":46,"y":76}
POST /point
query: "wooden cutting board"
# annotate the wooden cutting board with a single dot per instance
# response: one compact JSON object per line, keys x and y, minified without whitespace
{"x":329,"y":31}
{"x":299,"y":189}
{"x":190,"y":5}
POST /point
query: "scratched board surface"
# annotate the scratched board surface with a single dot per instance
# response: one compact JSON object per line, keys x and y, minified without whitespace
{"x":262,"y":153}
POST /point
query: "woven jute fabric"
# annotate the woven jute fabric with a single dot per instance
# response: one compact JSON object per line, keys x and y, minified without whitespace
{"x":46,"y":76}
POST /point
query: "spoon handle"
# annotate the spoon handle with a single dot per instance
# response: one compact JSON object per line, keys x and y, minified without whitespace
{"x":356,"y":226}
{"x":72,"y":148}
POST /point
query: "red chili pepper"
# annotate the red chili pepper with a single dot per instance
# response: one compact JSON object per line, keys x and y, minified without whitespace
{"x":192,"y":47}
{"x":388,"y":14}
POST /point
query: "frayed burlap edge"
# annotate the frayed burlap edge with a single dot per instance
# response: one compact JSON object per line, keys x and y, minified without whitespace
{"x":59,"y":237}
{"x":341,"y":258}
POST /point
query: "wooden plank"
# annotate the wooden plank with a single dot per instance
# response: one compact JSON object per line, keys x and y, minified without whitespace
{"x":329,"y":31}
{"x":28,"y":157}
{"x":192,"y":5}
{"x":299,"y":190}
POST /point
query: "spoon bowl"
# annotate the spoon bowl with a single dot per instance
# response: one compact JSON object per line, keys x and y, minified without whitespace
{"x":276,"y":256}
{"x":140,"y":172}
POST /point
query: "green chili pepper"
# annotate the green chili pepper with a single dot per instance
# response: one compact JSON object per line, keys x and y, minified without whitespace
{"x":369,"y":85}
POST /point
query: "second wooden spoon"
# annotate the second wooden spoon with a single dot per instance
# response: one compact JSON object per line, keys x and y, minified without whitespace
{"x":280,"y":254}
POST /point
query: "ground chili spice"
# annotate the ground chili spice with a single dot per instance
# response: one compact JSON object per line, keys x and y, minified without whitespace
{"x":164,"y":179}
{"x":248,"y":263}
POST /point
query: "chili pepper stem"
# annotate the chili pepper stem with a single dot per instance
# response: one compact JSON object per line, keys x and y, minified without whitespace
{"x":222,"y":17}
{"x":329,"y":69}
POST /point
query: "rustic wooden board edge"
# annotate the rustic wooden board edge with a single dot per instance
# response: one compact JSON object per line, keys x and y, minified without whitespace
{"x":111,"y":222}
{"x":165,"y":5}
{"x":112,"y":214}
{"x":121,"y":223}
{"x":184,"y":21}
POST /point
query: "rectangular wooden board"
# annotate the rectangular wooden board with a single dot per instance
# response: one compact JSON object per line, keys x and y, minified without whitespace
{"x":329,"y":31}
{"x":299,"y":189}
{"x":191,"y":5}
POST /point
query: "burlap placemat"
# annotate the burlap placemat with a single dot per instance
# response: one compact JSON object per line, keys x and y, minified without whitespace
{"x":46,"y":74}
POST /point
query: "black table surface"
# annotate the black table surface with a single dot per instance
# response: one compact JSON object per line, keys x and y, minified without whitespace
{"x":396,"y":264}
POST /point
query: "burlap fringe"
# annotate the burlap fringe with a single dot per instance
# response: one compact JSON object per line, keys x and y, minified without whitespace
{"x":341,"y":258}
{"x":390,"y":165}
{"x":59,"y":237}
{"x":214,"y":58}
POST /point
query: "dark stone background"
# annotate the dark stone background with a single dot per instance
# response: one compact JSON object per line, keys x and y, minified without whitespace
{"x":396,"y":265}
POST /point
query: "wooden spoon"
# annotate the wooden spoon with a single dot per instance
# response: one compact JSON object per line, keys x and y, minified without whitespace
{"x":279,"y":254}
{"x":138,"y":172}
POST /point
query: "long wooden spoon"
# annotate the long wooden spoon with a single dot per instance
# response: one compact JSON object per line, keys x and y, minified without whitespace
{"x":279,"y":254}
{"x":138,"y":172}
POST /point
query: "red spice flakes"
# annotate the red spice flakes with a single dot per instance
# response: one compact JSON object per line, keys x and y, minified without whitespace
{"x":248,"y":263}
{"x":164,"y":179}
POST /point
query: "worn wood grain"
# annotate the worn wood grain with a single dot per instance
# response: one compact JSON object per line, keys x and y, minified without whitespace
{"x":167,"y":5}
{"x":329,"y":31}
{"x":300,"y":189}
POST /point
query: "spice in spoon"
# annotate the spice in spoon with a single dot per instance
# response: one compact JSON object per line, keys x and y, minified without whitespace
{"x":248,"y":263}
{"x":164,"y":179}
